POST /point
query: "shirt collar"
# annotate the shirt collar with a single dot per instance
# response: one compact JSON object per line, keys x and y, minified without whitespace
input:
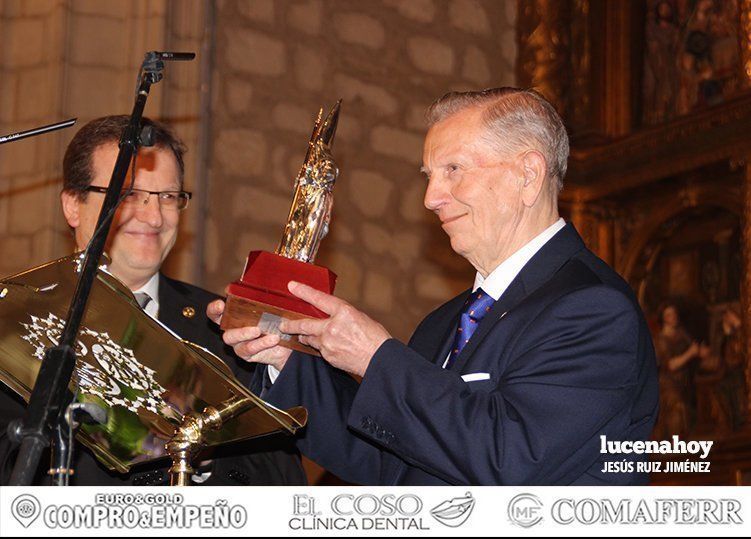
{"x":500,"y":278}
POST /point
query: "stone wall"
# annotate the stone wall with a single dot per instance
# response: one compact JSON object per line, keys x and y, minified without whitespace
{"x":275,"y":64}
{"x":272,"y":64}
{"x":62,"y":59}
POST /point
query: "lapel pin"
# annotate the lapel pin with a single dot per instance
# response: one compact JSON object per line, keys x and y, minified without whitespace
{"x":189,"y":312}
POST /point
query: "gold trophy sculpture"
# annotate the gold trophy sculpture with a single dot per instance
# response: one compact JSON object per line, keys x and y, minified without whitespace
{"x":261,"y":298}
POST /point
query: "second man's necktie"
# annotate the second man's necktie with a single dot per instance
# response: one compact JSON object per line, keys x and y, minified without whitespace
{"x":475,"y":308}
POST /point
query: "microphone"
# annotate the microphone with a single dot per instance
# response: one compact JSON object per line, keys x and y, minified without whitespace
{"x":153,"y":64}
{"x":37,"y":131}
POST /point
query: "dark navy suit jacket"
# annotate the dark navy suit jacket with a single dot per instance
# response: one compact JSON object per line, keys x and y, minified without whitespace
{"x":568,"y":356}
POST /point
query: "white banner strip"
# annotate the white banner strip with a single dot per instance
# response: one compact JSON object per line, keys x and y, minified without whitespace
{"x":377,"y":511}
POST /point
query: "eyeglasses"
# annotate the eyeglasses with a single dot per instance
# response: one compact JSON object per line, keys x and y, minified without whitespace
{"x":168,"y":200}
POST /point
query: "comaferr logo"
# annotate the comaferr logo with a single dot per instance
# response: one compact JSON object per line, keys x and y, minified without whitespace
{"x":660,"y":511}
{"x":525,"y":510}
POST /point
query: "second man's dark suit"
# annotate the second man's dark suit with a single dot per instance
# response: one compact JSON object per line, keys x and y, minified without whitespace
{"x":562,"y":358}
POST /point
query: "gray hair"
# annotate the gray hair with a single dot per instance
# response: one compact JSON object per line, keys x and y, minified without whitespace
{"x":516,"y":119}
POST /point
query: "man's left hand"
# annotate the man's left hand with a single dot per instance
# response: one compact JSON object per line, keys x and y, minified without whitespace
{"x":348,"y":339}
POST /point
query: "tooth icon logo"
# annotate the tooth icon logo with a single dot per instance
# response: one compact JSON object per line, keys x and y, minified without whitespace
{"x":25,"y":509}
{"x":454,"y":512}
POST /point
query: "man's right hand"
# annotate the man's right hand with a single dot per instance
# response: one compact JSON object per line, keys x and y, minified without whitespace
{"x":249,"y":343}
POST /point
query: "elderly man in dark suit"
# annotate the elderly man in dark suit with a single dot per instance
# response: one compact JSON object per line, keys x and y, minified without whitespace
{"x":143,"y":233}
{"x":512,"y":382}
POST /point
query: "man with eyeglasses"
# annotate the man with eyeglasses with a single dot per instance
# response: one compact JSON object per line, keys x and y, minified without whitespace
{"x":144,"y":230}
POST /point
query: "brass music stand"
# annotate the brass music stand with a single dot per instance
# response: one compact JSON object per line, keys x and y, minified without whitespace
{"x":163,"y":396}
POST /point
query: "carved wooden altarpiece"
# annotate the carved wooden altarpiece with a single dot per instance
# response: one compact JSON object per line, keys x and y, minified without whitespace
{"x":657,"y":100}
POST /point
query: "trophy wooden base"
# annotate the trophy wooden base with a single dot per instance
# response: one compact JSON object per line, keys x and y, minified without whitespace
{"x":241,"y":312}
{"x":261,"y":298}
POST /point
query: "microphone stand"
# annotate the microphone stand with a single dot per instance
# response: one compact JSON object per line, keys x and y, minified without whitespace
{"x":50,"y":396}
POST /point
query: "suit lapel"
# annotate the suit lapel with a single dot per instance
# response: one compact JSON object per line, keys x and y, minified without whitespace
{"x":540,"y":268}
{"x":171,"y":306}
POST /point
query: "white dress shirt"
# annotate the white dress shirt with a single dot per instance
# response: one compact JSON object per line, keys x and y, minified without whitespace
{"x":497,"y":281}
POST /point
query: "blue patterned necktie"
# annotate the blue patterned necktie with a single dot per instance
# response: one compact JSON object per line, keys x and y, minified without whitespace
{"x":478,"y":304}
